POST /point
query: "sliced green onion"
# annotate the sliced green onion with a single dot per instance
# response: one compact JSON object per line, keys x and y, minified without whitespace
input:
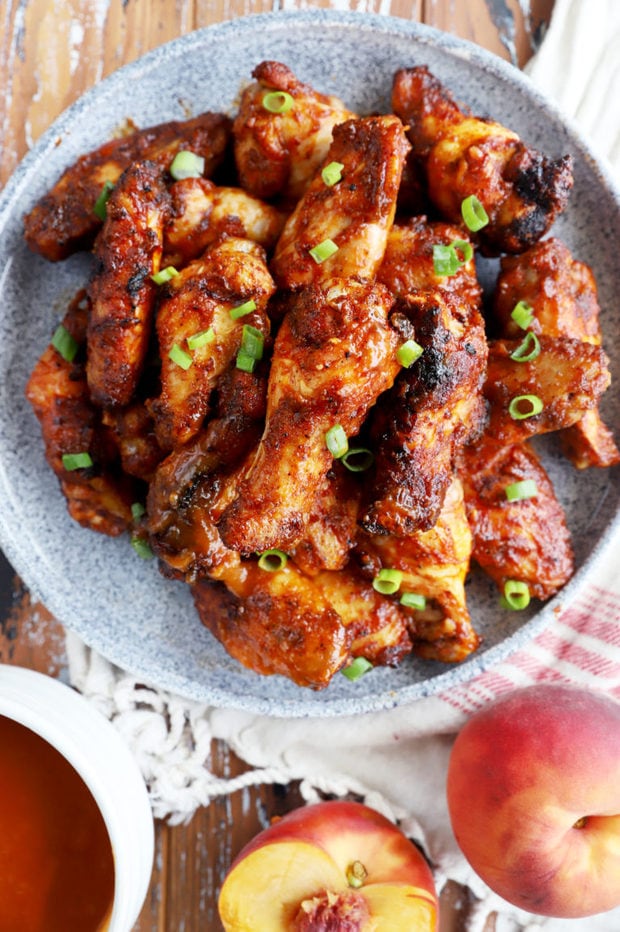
{"x":100,"y":207}
{"x":323,"y":251}
{"x":272,"y":560}
{"x":358,"y":459}
{"x":187,"y":164}
{"x":180,"y":357}
{"x":413,"y":600}
{"x":137,"y":510}
{"x":387,"y":581}
{"x":446,"y":260}
{"x":522,"y":314}
{"x":528,"y":348}
{"x":63,"y":342}
{"x":524,"y":406}
{"x":242,"y":309}
{"x":356,"y":669}
{"x":164,"y":275}
{"x":516,"y":595}
{"x":200,"y":339}
{"x":142,"y":548}
{"x":473,"y":213}
{"x":517,"y":491}
{"x":277,"y":102}
{"x":336,"y":441}
{"x":252,"y":342}
{"x":332,"y":173}
{"x":245,"y":362}
{"x":408,"y":353}
{"x":72,"y":461}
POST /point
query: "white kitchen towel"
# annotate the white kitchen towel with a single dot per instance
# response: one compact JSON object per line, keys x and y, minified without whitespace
{"x":396,"y":760}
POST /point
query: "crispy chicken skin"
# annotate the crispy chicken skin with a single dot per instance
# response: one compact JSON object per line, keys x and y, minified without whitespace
{"x":279,"y":153}
{"x":202,"y":212}
{"x":63,"y":221}
{"x":434,"y":564}
{"x":356,"y":213}
{"x":568,"y":376}
{"x":334,"y":354}
{"x":562,"y":293}
{"x":201,"y":297}
{"x":436,"y":404}
{"x":525,"y":540}
{"x":522,"y":190}
{"x":122,"y":293}
{"x":97,"y":497}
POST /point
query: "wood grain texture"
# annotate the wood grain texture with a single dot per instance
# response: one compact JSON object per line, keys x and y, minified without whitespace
{"x":51,"y":51}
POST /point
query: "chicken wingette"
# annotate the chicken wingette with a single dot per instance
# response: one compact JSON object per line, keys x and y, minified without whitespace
{"x":207,"y":314}
{"x":122,"y":291}
{"x":64,"y":221}
{"x":98,"y":495}
{"x":341,"y":228}
{"x":282,"y":132}
{"x":561,"y":295}
{"x":521,"y":190}
{"x":334,"y":354}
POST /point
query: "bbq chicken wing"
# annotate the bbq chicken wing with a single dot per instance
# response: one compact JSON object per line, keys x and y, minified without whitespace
{"x":436,"y":403}
{"x":434,"y":565}
{"x":525,"y":539}
{"x":354,"y":214}
{"x":122,"y":292}
{"x":202,"y":212}
{"x":202,"y":304}
{"x":278,"y":153}
{"x":461,"y":155}
{"x":63,"y":221}
{"x":332,"y":526}
{"x":334,"y":354}
{"x":98,"y":496}
{"x":563,"y":297}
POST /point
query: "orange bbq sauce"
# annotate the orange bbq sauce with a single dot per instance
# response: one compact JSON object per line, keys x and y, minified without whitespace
{"x":56,"y":861}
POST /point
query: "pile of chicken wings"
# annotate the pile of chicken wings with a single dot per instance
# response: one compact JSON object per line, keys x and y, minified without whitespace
{"x":282,"y":379}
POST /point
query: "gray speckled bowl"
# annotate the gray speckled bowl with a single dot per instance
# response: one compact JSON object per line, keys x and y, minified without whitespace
{"x":96,"y":586}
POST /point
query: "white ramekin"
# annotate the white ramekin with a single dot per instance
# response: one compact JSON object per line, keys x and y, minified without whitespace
{"x":97,"y":752}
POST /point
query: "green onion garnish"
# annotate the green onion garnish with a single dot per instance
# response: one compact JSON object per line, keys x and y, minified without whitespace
{"x":277,"y":101}
{"x":272,"y":560}
{"x":473,"y":213}
{"x":516,"y":595}
{"x":72,"y":461}
{"x":446,"y":260}
{"x":528,"y":348}
{"x":242,"y":309}
{"x":413,"y":600}
{"x":323,"y":251}
{"x":336,"y":441}
{"x":358,"y":459}
{"x":100,"y":207}
{"x":356,"y":668}
{"x":164,"y":275}
{"x":522,"y":314}
{"x":187,"y":164}
{"x":180,"y":357}
{"x":252,"y":342}
{"x":245,"y":362}
{"x":387,"y":581}
{"x":137,"y":510}
{"x":408,"y":353}
{"x":517,"y":491}
{"x":524,"y":406}
{"x":63,"y":342}
{"x":200,"y":339}
{"x":332,"y":173}
{"x":142,"y":548}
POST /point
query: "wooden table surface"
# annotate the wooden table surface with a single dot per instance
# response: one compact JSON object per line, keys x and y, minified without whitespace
{"x":51,"y":51}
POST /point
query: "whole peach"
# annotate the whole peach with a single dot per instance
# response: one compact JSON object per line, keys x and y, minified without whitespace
{"x":534,"y":799}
